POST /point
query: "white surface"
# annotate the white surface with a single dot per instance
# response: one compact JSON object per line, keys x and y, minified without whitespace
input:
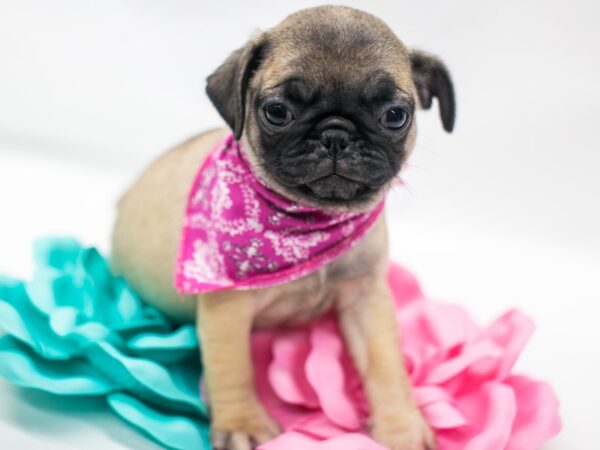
{"x":503,"y":213}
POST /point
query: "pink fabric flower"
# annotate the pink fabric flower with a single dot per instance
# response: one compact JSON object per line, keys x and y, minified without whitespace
{"x":461,"y":375}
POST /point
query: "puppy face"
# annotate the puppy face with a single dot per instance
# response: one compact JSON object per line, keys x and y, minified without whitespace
{"x":326,"y":103}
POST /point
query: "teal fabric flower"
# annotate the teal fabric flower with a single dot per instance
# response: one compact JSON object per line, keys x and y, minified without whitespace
{"x":77,"y":330}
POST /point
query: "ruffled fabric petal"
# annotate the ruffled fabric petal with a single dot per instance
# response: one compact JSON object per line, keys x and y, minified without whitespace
{"x":177,"y":432}
{"x":299,"y":441}
{"x":286,"y":374}
{"x":536,"y":420}
{"x":22,"y":366}
{"x":76,"y":330}
{"x":461,"y":376}
{"x":326,"y":375}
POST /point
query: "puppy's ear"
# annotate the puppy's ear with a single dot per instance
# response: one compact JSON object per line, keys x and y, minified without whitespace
{"x":227,"y":86}
{"x":432,"y":79}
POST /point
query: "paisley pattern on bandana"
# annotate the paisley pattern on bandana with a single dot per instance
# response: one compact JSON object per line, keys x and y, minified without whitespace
{"x":239,"y":234}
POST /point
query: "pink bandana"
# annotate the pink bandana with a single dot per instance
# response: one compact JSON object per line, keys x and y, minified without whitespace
{"x":239,"y":234}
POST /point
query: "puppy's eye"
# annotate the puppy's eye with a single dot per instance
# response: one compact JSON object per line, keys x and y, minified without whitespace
{"x":277,"y":114}
{"x":394,"y":118}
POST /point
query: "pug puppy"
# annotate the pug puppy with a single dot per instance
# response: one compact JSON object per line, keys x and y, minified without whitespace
{"x":324,"y":106}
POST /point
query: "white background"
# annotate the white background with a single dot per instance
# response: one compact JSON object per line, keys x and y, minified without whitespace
{"x":503,"y":213}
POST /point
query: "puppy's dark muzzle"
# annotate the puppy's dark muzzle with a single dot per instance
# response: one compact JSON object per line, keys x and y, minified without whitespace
{"x":335,"y":164}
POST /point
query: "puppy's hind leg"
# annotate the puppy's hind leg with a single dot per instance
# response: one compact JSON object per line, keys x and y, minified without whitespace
{"x":239,"y":421}
{"x":370,"y":331}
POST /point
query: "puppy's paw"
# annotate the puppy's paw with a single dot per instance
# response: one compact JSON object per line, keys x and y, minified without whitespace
{"x":242,"y":428}
{"x":403,"y":431}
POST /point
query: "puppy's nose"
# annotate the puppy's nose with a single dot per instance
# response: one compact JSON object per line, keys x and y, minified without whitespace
{"x":335,"y":141}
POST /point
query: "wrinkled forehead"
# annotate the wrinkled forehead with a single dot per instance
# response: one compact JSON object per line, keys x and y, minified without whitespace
{"x":336,"y":59}
{"x":373,"y":87}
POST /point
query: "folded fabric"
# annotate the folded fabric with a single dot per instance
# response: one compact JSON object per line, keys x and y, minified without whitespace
{"x":238,"y":233}
{"x":76,"y":330}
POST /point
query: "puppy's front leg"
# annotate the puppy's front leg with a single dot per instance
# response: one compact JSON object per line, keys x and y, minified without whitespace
{"x":371,"y":334}
{"x":239,"y":421}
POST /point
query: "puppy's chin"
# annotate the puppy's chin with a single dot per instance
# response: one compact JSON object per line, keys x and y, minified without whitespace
{"x":336,"y":190}
{"x":333,"y":193}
